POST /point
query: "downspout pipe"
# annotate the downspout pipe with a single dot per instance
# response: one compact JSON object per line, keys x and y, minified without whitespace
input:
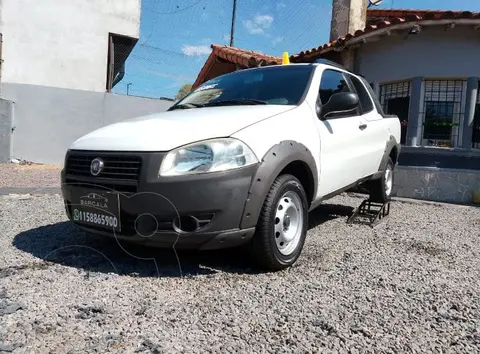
{"x":119,"y":76}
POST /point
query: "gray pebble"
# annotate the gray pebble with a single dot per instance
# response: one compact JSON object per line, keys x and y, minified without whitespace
{"x":410,"y":285}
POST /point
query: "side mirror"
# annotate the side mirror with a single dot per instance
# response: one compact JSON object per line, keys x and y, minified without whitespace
{"x":340,"y":102}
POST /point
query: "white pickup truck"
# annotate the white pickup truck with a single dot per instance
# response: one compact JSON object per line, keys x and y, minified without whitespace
{"x":241,"y":160}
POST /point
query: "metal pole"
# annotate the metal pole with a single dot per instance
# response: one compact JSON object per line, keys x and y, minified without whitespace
{"x":232,"y":31}
{"x":128,"y":86}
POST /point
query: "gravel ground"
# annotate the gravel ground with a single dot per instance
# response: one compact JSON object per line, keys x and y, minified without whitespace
{"x":29,"y":176}
{"x":409,"y":285}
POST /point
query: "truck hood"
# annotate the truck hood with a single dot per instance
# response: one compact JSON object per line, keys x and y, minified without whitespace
{"x":167,"y":130}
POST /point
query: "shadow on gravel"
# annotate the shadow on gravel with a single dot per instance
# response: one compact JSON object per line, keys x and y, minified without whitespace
{"x":62,"y":243}
{"x":326,"y":212}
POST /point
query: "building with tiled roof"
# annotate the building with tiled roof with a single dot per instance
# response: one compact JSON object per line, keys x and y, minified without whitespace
{"x":422,"y":65}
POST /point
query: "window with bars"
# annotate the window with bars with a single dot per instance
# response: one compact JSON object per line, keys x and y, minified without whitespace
{"x":119,"y":48}
{"x":395,"y":99}
{"x":443,"y":109}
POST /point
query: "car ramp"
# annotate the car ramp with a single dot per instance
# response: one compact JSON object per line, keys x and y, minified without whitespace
{"x":370,"y":213}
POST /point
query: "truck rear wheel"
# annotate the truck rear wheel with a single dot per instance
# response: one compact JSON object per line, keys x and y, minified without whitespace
{"x":381,"y":189}
{"x":282,"y":224}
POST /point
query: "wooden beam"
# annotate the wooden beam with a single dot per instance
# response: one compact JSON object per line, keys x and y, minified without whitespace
{"x":221,"y":60}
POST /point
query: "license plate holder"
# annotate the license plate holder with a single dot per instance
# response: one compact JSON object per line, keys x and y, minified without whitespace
{"x":99,"y":209}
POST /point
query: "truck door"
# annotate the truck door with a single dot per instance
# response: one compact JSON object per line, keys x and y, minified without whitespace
{"x":373,"y":134}
{"x":341,"y":152}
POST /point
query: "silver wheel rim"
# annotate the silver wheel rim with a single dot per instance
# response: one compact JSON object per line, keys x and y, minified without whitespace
{"x":288,"y":223}
{"x":388,"y":180}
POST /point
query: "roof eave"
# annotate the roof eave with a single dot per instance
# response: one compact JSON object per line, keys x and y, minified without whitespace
{"x":408,"y":25}
{"x":205,"y":69}
{"x":240,"y":57}
{"x":377,"y":32}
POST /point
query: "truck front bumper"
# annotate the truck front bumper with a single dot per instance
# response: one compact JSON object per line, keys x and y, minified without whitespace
{"x":188,"y":212}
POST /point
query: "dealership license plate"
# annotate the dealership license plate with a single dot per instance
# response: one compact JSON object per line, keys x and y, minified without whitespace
{"x":97,"y":209}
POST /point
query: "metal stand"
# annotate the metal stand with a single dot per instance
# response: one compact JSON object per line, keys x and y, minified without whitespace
{"x":373,"y":212}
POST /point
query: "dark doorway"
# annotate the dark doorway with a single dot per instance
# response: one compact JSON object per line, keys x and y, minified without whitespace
{"x":476,"y":128}
{"x":400,"y":106}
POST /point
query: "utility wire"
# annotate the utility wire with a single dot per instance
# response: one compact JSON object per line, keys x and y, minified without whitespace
{"x":177,"y":11}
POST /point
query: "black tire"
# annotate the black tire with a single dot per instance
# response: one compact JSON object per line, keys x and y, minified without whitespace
{"x":264,"y":247}
{"x":378,"y":188}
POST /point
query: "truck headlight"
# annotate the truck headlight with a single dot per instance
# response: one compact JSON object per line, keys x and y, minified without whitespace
{"x":207,"y":156}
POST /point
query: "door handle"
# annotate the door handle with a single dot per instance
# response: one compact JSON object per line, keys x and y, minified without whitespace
{"x":362,"y":126}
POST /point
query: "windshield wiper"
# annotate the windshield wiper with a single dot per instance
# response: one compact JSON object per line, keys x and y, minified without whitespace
{"x":185,"y":106}
{"x":236,"y":101}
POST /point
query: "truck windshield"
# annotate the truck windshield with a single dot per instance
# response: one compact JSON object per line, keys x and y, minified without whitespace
{"x":276,"y":85}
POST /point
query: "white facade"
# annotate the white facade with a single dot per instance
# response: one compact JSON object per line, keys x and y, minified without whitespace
{"x":429,"y":79}
{"x":434,"y":53}
{"x":60,"y":59}
{"x":63,"y":43}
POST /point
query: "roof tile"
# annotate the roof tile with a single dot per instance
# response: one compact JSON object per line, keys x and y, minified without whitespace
{"x":380,"y":19}
{"x":245,"y":58}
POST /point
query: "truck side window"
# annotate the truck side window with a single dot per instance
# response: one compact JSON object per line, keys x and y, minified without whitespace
{"x":332,"y":82}
{"x":373,"y":96}
{"x":365,"y":100}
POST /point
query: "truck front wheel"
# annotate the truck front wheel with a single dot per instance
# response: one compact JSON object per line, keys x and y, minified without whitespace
{"x":282,"y":224}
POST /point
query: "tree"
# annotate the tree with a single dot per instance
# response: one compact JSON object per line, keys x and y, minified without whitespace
{"x":184,"y":90}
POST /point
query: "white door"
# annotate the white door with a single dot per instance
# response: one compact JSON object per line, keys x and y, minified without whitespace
{"x":341,"y":152}
{"x":373,"y":135}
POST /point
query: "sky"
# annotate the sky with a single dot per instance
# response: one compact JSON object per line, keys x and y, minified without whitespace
{"x":175,"y":35}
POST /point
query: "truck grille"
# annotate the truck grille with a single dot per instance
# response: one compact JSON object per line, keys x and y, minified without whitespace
{"x":116,"y":167}
{"x":121,"y":172}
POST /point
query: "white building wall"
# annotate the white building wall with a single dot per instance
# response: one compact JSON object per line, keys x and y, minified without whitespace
{"x":433,"y":53}
{"x":448,"y":56}
{"x":62,"y":43}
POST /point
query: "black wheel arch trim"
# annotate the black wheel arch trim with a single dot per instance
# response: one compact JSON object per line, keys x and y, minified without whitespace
{"x":273,"y":162}
{"x":389,"y":146}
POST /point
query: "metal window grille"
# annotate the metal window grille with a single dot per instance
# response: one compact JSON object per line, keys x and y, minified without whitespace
{"x":393,"y":90}
{"x":395,"y":99}
{"x":476,"y":123}
{"x":443,"y":109}
{"x":119,"y":48}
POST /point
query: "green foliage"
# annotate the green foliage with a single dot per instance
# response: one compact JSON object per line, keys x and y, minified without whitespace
{"x":184,"y":90}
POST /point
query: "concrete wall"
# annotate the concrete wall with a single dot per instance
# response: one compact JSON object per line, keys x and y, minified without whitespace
{"x":62,"y":43}
{"x":6,"y":116}
{"x":48,"y":120}
{"x":436,"y":184}
{"x":433,"y":53}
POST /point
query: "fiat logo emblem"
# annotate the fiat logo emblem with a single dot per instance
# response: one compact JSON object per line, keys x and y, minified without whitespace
{"x":96,"y":166}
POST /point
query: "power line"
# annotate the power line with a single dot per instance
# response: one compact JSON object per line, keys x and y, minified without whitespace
{"x":167,"y":51}
{"x":154,"y":22}
{"x":176,"y":12}
{"x":162,"y":53}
